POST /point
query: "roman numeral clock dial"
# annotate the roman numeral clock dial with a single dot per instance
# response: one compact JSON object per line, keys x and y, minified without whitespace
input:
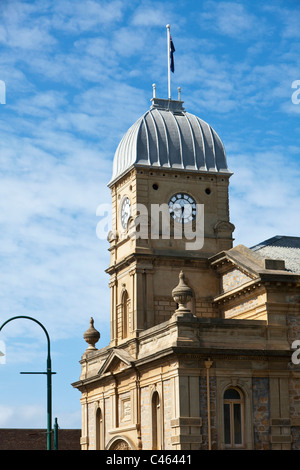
{"x":182,"y":208}
{"x":125,"y":212}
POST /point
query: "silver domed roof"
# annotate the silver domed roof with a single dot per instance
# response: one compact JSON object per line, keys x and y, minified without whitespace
{"x":168,"y":137}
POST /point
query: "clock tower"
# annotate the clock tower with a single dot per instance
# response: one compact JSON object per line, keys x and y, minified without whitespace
{"x":170,"y":211}
{"x":200,"y":349}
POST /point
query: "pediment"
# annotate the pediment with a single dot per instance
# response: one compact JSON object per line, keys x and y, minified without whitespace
{"x":234,"y":278}
{"x":236,"y":267}
{"x":240,"y":258}
{"x":117,"y":361}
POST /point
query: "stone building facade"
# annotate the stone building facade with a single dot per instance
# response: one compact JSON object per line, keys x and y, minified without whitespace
{"x":200,"y":355}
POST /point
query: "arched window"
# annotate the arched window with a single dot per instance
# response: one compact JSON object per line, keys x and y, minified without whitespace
{"x":125,"y":314}
{"x":99,"y":429}
{"x":233,"y":418}
{"x":156,"y":421}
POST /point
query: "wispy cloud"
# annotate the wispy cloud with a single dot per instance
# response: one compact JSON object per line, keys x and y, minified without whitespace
{"x":22,"y":28}
{"x":77,"y":76}
{"x":76,"y":16}
{"x":32,"y":414}
{"x":261,"y":193}
{"x":231,"y":19}
{"x":149,"y":14}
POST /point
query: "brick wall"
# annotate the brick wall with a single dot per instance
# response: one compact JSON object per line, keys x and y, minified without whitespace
{"x":146,"y":418}
{"x":165,"y":307}
{"x":233,"y":279}
{"x":252,"y":309}
{"x":36,"y":439}
{"x":294,"y":393}
{"x":168,"y":413}
{"x":108,"y":419}
{"x":203,"y":412}
{"x":293,"y":323}
{"x":261,"y":413}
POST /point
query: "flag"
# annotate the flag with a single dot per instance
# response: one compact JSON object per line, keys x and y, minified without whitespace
{"x":172,"y":49}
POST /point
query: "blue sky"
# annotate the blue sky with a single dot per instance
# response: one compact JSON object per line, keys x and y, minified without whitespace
{"x":77,"y":75}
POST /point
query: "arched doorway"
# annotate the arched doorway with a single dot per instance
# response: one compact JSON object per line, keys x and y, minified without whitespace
{"x":119,"y":443}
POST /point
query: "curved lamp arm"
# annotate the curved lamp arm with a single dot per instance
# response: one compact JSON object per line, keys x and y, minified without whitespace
{"x":49,"y":374}
{"x":33,"y":319}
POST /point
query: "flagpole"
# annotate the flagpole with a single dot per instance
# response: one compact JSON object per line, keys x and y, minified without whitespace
{"x":169,"y":69}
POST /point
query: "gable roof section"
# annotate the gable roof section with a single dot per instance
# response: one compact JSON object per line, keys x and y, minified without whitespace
{"x":253,"y":264}
{"x":239,"y":257}
{"x":281,"y":247}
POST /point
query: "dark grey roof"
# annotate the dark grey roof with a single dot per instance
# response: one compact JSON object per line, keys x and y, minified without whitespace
{"x":168,"y":137}
{"x":281,"y":247}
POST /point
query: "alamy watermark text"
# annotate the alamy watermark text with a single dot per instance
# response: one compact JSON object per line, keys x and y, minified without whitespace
{"x":157,"y":224}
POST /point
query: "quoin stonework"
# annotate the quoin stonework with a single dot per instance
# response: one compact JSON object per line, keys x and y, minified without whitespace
{"x":200,"y":350}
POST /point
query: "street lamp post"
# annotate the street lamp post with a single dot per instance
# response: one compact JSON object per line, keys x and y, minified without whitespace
{"x":49,"y":377}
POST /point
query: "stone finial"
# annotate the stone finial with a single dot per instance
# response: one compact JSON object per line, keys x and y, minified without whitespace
{"x":91,"y":336}
{"x":182,"y":294}
{"x":154,"y":90}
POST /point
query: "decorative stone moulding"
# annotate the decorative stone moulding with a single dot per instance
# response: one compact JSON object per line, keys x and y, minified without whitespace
{"x":182,"y":294}
{"x":91,"y":336}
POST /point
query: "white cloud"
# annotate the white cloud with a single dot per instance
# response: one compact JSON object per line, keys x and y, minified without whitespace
{"x":153,"y":14}
{"x":231,"y":19}
{"x":41,"y":104}
{"x":27,"y":416}
{"x":265,"y":195}
{"x":21,"y":28}
{"x":51,"y":185}
{"x":128,"y":42}
{"x":6,"y":414}
{"x":288,"y":17}
{"x":76,"y":16}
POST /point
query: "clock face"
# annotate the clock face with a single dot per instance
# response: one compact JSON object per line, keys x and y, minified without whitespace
{"x":125,"y":212}
{"x":182,"y":208}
